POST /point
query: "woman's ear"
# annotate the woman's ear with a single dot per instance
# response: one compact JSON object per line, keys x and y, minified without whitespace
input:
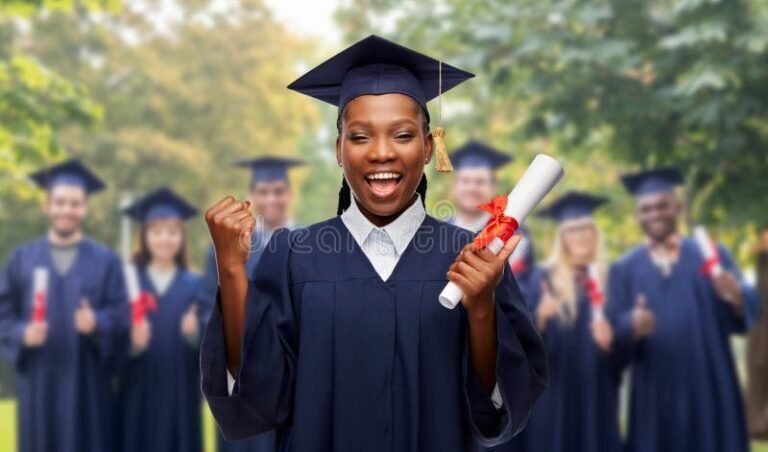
{"x":429,"y":146}
{"x":338,"y":150}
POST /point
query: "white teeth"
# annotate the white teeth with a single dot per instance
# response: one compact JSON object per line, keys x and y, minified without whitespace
{"x":382,"y":176}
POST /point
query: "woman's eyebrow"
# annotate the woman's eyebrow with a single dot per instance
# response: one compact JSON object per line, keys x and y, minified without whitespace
{"x":403,"y":121}
{"x":359,"y":123}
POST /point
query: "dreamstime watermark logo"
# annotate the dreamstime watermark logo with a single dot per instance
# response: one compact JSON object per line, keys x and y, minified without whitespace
{"x":429,"y":237}
{"x":443,"y":210}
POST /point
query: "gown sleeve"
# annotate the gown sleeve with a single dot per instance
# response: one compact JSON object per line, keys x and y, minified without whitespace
{"x":262,"y":397}
{"x":751,"y":302}
{"x":521,"y":371}
{"x":209,"y":285}
{"x":11,"y":323}
{"x":113,"y":315}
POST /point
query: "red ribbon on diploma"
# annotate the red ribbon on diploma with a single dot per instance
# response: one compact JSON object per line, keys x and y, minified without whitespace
{"x":596,"y":297}
{"x":499,"y":225}
{"x":709,"y":265}
{"x":140,"y":307}
{"x":38,"y":310}
{"x":518,"y":266}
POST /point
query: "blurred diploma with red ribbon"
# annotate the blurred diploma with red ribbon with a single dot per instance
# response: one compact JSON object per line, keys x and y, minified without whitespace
{"x":517,"y":259}
{"x":508,"y":213}
{"x":595,"y":293}
{"x":39,"y":293}
{"x":141,"y":300}
{"x":711,"y":267}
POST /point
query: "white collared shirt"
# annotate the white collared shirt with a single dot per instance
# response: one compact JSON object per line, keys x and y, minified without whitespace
{"x":383,"y":246}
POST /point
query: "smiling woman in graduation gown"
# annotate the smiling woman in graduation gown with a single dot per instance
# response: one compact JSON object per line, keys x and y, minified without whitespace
{"x":63,"y":382}
{"x":345,"y":351}
{"x":579,"y":410}
{"x":159,"y":395}
{"x":685,"y":391}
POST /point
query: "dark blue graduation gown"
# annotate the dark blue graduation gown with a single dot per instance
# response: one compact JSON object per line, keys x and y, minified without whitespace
{"x":264,"y":442}
{"x":64,"y":387}
{"x":338,"y":360}
{"x":579,"y":409}
{"x":159,"y":396}
{"x":528,"y":280}
{"x":685,"y":392}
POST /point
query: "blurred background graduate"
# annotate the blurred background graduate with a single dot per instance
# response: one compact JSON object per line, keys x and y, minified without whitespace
{"x":271,"y":195}
{"x":62,"y":308}
{"x":159,"y":395}
{"x":474,"y":182}
{"x":579,"y":409}
{"x":674,"y":321}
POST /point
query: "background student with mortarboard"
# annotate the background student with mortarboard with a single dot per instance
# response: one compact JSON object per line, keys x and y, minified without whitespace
{"x":159,"y":393}
{"x":579,"y":409}
{"x":63,"y":357}
{"x":674,"y":322}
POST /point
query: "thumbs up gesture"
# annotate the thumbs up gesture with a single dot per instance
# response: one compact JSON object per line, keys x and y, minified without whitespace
{"x":190,"y":322}
{"x":548,"y":307}
{"x":231,"y":224}
{"x":643,"y":319}
{"x":85,"y":318}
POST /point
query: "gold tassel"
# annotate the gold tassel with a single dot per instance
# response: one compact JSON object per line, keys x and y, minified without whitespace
{"x":442,"y":161}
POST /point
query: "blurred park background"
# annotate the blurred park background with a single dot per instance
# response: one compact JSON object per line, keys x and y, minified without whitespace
{"x":152,"y":92}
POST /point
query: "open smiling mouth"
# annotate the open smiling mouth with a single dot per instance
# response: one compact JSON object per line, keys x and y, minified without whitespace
{"x":383,"y":183}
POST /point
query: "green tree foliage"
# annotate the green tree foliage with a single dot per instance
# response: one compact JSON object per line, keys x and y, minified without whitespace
{"x":183,"y":98}
{"x":630,"y":83}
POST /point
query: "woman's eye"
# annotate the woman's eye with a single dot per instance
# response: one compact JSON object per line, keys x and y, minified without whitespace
{"x":357,"y":138}
{"x":403,"y":136}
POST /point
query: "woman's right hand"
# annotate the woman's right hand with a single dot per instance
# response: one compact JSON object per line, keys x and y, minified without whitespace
{"x":548,"y":307}
{"x":231,"y":224}
{"x":35,"y":334}
{"x":140,"y":336}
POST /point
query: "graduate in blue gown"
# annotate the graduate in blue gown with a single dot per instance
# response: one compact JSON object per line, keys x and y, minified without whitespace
{"x":579,"y":410}
{"x":338,"y":341}
{"x":675,"y":322}
{"x":474,"y":183}
{"x":62,"y":342}
{"x":159,"y":395}
{"x":271,"y":194}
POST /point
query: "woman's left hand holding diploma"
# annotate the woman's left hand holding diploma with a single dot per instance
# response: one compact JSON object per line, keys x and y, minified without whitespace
{"x":478,"y":272}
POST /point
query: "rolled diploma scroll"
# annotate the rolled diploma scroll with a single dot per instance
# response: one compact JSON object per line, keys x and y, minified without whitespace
{"x":708,"y":249}
{"x":134,"y":292}
{"x":543,"y":174}
{"x":39,"y":293}
{"x":596,"y":297}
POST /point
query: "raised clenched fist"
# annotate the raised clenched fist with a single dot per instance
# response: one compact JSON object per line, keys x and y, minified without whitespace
{"x":231,"y":224}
